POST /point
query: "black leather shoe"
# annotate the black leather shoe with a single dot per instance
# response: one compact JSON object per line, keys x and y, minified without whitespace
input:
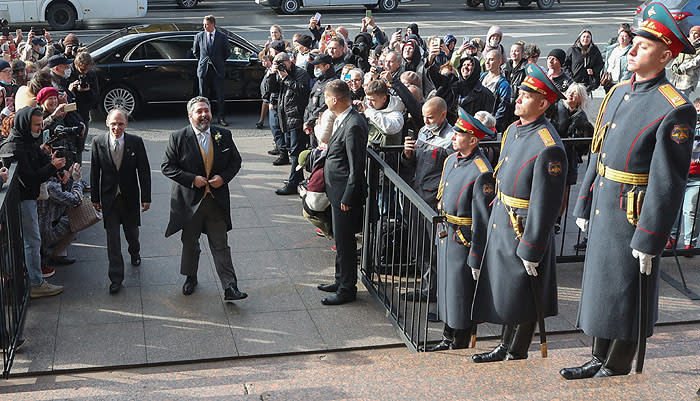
{"x":282,"y":160}
{"x":190,"y":283}
{"x":233,"y":294}
{"x":274,"y":151}
{"x":223,"y":123}
{"x":259,"y":125}
{"x":136,"y":260}
{"x":338,"y":299}
{"x":497,"y":354}
{"x":585,"y":371}
{"x":114,"y":288}
{"x":63,"y":260}
{"x":443,"y":345}
{"x":328,"y":287}
{"x":287,"y":190}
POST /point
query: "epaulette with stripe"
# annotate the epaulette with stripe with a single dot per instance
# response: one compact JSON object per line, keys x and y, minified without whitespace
{"x":546,"y":137}
{"x":481,"y":165}
{"x":672,"y":95}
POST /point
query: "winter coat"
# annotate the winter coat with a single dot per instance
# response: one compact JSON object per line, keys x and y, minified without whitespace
{"x":502,"y":108}
{"x":576,"y":64}
{"x":293,"y":93}
{"x":385,"y":125}
{"x":515,"y":75}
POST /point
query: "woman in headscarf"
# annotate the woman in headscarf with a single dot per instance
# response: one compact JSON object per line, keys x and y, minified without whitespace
{"x":584,"y":62}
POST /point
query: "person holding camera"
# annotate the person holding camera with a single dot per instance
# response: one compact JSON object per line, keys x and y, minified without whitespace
{"x":35,"y":164}
{"x":66,"y":128}
{"x":292,"y":85}
{"x":60,"y":68}
{"x":86,"y":92}
{"x":65,"y":191}
{"x":38,"y":49}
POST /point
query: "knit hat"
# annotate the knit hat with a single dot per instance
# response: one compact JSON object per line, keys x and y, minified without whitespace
{"x":305,"y":40}
{"x":278,"y":46}
{"x":559,"y":54}
{"x":495,"y":29}
{"x":448,"y":39}
{"x":46,"y":93}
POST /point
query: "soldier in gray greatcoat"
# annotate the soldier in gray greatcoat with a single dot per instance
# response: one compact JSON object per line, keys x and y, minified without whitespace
{"x":530,"y":181}
{"x":465,"y":193}
{"x":631,"y":194}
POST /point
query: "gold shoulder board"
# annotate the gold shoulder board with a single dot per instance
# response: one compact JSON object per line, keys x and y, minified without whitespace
{"x":672,"y":95}
{"x":481,"y":165}
{"x":546,"y":137}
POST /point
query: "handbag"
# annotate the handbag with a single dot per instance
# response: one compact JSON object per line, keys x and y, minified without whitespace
{"x":83,"y":216}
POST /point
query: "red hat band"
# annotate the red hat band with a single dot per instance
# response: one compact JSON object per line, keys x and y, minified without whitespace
{"x":464,"y":126}
{"x":540,"y":87}
{"x":664,"y":34}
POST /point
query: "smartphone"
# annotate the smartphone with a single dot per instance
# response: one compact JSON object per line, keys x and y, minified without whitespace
{"x":368,"y":13}
{"x":317,"y":17}
{"x":46,"y":135}
{"x":70,"y":107}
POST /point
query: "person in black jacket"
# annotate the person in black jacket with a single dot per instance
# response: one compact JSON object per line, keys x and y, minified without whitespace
{"x":86,"y":92}
{"x":467,"y":91}
{"x":514,"y":69}
{"x":34,"y":166}
{"x":292,"y":84}
{"x":324,"y":73}
{"x":584,"y":62}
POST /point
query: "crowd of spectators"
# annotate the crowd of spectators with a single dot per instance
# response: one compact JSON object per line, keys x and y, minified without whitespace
{"x":47,"y":89}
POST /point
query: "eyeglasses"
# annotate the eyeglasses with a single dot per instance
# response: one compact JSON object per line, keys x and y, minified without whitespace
{"x":353,"y":80}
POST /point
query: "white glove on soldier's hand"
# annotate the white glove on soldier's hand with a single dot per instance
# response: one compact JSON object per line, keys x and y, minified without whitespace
{"x":644,"y":261}
{"x":582,"y":224}
{"x":475,"y":274}
{"x":530,"y":267}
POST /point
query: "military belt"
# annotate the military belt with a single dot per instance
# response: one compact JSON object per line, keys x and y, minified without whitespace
{"x":511,"y":201}
{"x":622,"y":176}
{"x":460,"y":221}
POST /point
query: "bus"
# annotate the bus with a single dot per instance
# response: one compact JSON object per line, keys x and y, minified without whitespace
{"x":62,"y":15}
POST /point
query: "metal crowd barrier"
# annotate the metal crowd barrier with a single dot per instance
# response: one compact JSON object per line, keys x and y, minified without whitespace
{"x":396,"y":246}
{"x":14,"y":281}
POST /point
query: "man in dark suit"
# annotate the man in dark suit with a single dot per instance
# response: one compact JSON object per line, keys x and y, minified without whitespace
{"x":119,"y":174}
{"x":346,"y":187}
{"x":212,"y":49}
{"x":202,"y":159}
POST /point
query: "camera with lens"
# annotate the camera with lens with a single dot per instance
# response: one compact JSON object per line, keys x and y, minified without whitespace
{"x":63,"y":141}
{"x":83,"y":82}
{"x":360,"y":49}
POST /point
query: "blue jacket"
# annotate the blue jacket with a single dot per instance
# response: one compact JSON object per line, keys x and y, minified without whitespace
{"x":502,"y":109}
{"x":213,"y":56}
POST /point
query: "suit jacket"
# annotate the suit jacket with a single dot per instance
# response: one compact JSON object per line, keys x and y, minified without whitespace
{"x":344,"y":172}
{"x":183,"y":161}
{"x":133,"y":177}
{"x":213,"y":56}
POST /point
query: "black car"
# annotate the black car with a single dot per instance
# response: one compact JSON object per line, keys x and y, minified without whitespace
{"x":148,"y":64}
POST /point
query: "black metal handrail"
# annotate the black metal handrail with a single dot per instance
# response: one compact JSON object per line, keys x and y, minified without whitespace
{"x":14,"y":280}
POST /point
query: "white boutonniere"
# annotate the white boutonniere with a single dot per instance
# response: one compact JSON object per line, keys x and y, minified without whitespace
{"x":217,"y":138}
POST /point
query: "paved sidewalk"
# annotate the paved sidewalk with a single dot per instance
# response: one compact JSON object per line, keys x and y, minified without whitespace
{"x":671,"y":372}
{"x":279,"y":261}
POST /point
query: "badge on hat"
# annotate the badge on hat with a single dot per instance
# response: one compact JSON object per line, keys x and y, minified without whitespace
{"x":659,"y":24}
{"x":469,"y":124}
{"x":537,"y":81}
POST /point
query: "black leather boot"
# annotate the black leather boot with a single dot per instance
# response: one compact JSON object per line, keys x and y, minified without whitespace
{"x":521,"y":341}
{"x":461,"y":338}
{"x":448,"y":337}
{"x":498,"y":353}
{"x":619,"y":359}
{"x":590,"y":368}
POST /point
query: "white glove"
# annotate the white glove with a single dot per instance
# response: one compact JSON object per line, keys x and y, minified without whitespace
{"x":644,"y":261}
{"x":582,"y":224}
{"x":530,"y":267}
{"x":475,"y":274}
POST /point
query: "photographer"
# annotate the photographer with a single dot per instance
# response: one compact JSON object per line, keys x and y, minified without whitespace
{"x":65,"y":191}
{"x":292,"y":85}
{"x":360,"y":51}
{"x":86,"y":92}
{"x":60,"y":68}
{"x":324,"y":73}
{"x":66,"y":129}
{"x":34,"y":166}
{"x":38,"y":49}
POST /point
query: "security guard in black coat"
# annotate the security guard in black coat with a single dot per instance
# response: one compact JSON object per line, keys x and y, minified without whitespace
{"x":467,"y":188}
{"x":631,"y":194}
{"x":530,"y":181}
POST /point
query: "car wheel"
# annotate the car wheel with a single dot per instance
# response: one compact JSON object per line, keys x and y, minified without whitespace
{"x":473,"y":3}
{"x":524,"y":3}
{"x":492,"y":5}
{"x":61,"y":16}
{"x":120,"y":97}
{"x":187,"y":3}
{"x":388,"y":5}
{"x":290,"y":6}
{"x":545,"y":4}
